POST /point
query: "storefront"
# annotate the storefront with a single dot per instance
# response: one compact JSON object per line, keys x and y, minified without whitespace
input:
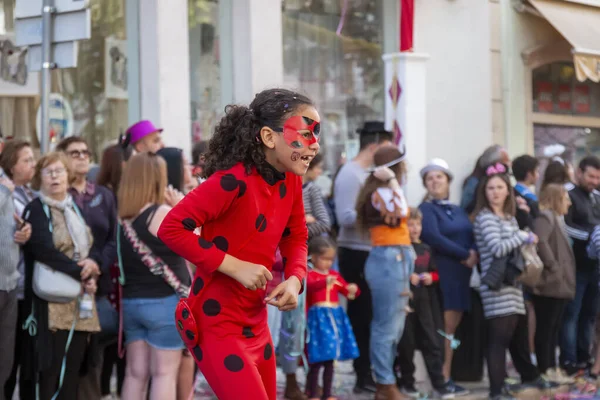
{"x":560,"y":65}
{"x":90,"y":100}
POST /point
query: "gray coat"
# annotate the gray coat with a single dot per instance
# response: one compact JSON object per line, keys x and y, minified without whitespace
{"x":558,"y":276}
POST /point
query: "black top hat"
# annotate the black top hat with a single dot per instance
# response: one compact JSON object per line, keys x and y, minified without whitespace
{"x":373,"y":127}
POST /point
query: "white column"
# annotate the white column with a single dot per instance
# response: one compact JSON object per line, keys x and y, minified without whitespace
{"x":405,"y":105}
{"x":164,"y":69}
{"x":257,"y":47}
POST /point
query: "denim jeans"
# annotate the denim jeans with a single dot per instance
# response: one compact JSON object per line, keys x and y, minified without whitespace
{"x":387,"y":272}
{"x":579,"y":318}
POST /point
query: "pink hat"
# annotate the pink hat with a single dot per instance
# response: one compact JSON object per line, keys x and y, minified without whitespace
{"x":140,"y":130}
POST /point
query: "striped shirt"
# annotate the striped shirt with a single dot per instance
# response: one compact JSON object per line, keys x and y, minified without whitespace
{"x":314,"y":204}
{"x":495,"y":238}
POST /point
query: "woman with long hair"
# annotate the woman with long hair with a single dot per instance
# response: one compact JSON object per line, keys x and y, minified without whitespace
{"x":154,"y":279}
{"x":498,"y":237}
{"x":382,"y":212}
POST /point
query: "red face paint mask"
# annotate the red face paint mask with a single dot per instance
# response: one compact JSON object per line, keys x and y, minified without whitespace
{"x":294,"y":125}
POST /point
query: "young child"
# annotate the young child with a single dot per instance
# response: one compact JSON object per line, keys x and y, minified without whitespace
{"x":420,"y":330}
{"x":250,"y":204}
{"x":330,"y":333}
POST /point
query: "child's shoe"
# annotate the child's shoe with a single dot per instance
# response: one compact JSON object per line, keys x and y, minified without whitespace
{"x":410,"y":391}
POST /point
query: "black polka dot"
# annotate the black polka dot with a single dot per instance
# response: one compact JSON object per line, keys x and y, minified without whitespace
{"x":284,"y":261}
{"x":234,"y":363}
{"x":247,"y":332}
{"x":185,"y":313}
{"x":180,"y":325}
{"x":211,"y":307}
{"x":221,"y":243}
{"x":205,"y":244}
{"x":198,"y":285}
{"x":189,"y":224}
{"x":286,"y":232}
{"x":229,"y":183}
{"x":261,"y":223}
{"x":282,"y":190}
{"x":190,"y":335}
{"x":242,"y":188}
{"x":197,"y":353}
{"x":268,"y":351}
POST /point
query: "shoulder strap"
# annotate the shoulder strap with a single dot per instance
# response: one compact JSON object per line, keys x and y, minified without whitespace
{"x":154,"y":263}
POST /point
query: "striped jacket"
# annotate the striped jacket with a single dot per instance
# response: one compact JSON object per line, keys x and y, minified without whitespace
{"x":495,"y":238}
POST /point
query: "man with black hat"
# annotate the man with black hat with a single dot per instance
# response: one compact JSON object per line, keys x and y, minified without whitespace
{"x":354,"y":247}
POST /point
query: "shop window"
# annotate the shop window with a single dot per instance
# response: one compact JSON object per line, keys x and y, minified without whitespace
{"x":578,"y":142}
{"x":205,"y":73}
{"x":557,"y":91}
{"x":334,"y":56}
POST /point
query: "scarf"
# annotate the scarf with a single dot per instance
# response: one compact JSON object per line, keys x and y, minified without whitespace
{"x":75,"y":224}
{"x":445,"y":204}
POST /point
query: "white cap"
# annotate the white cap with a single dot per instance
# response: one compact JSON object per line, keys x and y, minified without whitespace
{"x":436,"y":164}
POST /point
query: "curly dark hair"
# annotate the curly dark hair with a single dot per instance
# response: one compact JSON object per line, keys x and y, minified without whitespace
{"x":235,"y":138}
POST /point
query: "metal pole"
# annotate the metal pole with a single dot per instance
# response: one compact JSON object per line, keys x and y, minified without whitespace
{"x":47,"y":66}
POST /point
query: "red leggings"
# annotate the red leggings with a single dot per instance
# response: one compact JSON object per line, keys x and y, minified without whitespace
{"x":237,"y":369}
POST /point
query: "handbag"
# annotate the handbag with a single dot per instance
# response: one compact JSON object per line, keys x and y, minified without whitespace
{"x":54,"y":286}
{"x":533,"y":266}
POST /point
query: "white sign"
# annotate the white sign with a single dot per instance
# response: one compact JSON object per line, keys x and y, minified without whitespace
{"x":33,"y":8}
{"x":16,"y":78}
{"x":115,"y":68}
{"x":61,"y":119}
{"x":65,"y":28}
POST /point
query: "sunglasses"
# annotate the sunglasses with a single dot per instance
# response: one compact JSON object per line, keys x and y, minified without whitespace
{"x":79,"y":154}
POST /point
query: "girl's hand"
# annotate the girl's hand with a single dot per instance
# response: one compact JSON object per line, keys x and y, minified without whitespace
{"x":285,"y":295}
{"x":352,"y":289}
{"x":90,"y":286}
{"x":415,"y":280}
{"x":522,"y":204}
{"x":310,"y":219}
{"x":251,"y":276}
{"x":172,"y":196}
{"x":427,"y":279}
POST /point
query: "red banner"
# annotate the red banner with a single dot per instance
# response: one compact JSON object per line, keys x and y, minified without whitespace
{"x":407,"y":20}
{"x":582,"y":99}
{"x":564,"y":97}
{"x":544,"y":96}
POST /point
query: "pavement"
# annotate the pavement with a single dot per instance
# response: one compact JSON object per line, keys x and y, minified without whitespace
{"x":344,"y":383}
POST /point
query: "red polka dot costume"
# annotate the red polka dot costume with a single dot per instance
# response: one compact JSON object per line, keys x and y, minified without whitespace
{"x":222,"y":323}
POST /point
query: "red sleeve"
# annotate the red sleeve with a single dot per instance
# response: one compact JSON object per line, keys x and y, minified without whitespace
{"x":313,"y":284}
{"x":343,"y":286}
{"x":205,"y":203}
{"x":293,"y":242}
{"x":435,"y":277}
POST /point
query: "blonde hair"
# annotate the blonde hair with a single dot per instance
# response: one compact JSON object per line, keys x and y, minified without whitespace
{"x":46,"y":160}
{"x":552,"y":197}
{"x":415,"y":214}
{"x":144,"y":181}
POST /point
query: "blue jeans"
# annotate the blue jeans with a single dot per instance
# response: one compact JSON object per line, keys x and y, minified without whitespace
{"x":579,"y":318}
{"x":387,"y":272}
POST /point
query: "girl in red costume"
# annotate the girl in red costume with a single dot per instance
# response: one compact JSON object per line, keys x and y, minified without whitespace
{"x":250,"y":204}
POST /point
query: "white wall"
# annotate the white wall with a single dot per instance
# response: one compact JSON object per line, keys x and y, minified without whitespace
{"x":455,"y":35}
{"x":164,"y":69}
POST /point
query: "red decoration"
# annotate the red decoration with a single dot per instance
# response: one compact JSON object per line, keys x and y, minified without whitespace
{"x":407,"y":21}
{"x":564,"y":97}
{"x":581,"y":98}
{"x":544,"y":96}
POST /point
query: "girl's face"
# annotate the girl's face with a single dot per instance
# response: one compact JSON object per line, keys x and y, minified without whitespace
{"x":496,"y":192}
{"x":292,"y":146}
{"x":189,"y":182}
{"x":324,"y":261}
{"x":24,"y":169}
{"x":54,"y":180}
{"x":566,"y":204}
{"x":437,"y":184}
{"x":315,"y":172}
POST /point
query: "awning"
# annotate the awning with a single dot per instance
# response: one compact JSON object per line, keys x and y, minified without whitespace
{"x":580,"y":25}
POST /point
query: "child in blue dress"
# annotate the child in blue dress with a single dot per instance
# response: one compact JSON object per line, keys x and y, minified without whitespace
{"x":330,"y":333}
